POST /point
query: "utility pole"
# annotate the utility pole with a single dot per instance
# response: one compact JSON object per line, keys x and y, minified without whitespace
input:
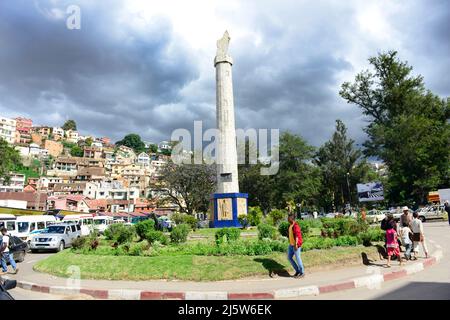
{"x":348,"y":186}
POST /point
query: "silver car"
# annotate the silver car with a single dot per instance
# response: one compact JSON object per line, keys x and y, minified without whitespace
{"x":56,"y":237}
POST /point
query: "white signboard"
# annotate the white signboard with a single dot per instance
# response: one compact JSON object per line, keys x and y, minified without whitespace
{"x":444,"y":194}
{"x":372,"y":191}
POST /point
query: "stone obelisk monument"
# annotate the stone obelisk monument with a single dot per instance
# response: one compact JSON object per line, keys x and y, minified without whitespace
{"x":228,"y":203}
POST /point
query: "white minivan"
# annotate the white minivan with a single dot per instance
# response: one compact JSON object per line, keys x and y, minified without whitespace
{"x":8,"y":221}
{"x":102,"y":222}
{"x":86,"y":221}
{"x":28,"y":226}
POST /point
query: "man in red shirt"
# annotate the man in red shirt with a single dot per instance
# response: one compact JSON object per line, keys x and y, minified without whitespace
{"x":295,"y":247}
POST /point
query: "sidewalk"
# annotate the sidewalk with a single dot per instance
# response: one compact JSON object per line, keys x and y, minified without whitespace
{"x":271,"y":288}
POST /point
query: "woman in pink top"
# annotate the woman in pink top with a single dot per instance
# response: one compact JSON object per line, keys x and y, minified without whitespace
{"x":392,"y":244}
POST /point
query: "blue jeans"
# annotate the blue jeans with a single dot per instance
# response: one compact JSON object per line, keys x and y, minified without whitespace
{"x":408,"y":248}
{"x":8,"y":256}
{"x":297,"y":264}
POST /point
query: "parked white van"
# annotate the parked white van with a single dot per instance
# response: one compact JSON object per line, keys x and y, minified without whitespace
{"x":8,"y":221}
{"x":86,"y":221}
{"x":28,"y":226}
{"x":102,"y":222}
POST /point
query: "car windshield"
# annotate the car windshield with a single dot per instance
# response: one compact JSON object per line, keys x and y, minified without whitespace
{"x":99,"y":221}
{"x":55,"y":229}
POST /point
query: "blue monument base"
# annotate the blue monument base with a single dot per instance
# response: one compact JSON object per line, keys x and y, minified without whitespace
{"x":226,"y":208}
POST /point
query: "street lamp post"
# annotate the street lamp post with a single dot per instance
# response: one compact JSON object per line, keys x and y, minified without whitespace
{"x":348,"y":187}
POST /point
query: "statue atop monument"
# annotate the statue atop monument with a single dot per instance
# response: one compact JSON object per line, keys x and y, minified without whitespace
{"x":222,"y":45}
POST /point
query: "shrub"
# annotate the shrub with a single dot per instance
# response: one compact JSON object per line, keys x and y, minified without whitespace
{"x":229,"y":234}
{"x":335,"y":227}
{"x":254,"y":216}
{"x":79,"y":243}
{"x":283,"y":228}
{"x":135,"y":249}
{"x":120,"y":233}
{"x":347,"y":241}
{"x":179,"y":233}
{"x":266,"y":231}
{"x":177,"y":217}
{"x":191,"y":221}
{"x":277,"y":216}
{"x":152,"y":235}
{"x":304,"y":226}
{"x":365,"y":238}
{"x":143,"y":227}
{"x":243,"y":220}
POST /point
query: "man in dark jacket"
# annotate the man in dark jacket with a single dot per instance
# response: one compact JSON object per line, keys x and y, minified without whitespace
{"x":447,"y":209}
{"x":295,"y":247}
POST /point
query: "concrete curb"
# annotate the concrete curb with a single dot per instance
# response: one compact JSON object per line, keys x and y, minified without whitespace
{"x":371,"y":281}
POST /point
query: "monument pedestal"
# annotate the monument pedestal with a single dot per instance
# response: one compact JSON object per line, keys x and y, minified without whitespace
{"x":226,"y":208}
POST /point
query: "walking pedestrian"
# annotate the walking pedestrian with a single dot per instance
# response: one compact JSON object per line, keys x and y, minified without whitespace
{"x":392,"y":242}
{"x":295,"y":247}
{"x":406,"y":235}
{"x":406,"y":217}
{"x":418,"y":236}
{"x":6,"y":255}
{"x":447,"y":209}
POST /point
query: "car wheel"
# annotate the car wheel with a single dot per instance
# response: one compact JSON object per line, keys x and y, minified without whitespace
{"x":61,"y":246}
{"x":422,"y":218}
{"x":34,"y":251}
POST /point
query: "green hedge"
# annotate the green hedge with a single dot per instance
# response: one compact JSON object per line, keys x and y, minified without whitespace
{"x":120,"y":233}
{"x":227,"y":235}
{"x":152,"y":236}
{"x":336,"y":227}
{"x":143,"y":227}
{"x":266,"y":231}
{"x":180,"y":233}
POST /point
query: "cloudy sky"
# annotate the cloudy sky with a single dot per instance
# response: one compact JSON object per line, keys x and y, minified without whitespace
{"x":147,"y":66}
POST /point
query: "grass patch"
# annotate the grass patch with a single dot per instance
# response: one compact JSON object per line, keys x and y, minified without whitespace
{"x":195,"y":268}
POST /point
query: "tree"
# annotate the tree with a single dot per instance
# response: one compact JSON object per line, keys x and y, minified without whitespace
{"x":76,"y":151}
{"x":298,"y":179}
{"x":342,"y":167}
{"x":89,"y":141}
{"x":9,"y":159}
{"x":408,"y":127}
{"x":70,"y":125}
{"x":189,"y":185}
{"x":153,"y":148}
{"x":133,"y":141}
{"x":260,"y":188}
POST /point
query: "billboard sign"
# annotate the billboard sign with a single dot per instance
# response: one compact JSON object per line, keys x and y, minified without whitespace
{"x":371,"y":191}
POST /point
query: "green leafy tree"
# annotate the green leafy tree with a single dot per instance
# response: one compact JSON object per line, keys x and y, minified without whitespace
{"x":69,"y":125}
{"x":188,"y":186}
{"x":408,"y":127}
{"x":153,"y":148}
{"x":342,"y":166}
{"x":9,"y":159}
{"x":298,"y":179}
{"x":76,"y":151}
{"x":133,"y":141}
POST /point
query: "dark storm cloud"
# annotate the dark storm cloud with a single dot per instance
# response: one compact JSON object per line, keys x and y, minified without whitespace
{"x":114,"y":78}
{"x":106,"y":77}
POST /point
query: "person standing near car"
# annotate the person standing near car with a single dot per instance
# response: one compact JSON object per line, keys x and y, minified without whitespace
{"x":6,"y":255}
{"x":447,"y":209}
{"x":406,"y":235}
{"x":295,"y":246}
{"x":418,"y":236}
{"x":406,"y":217}
{"x":392,"y":245}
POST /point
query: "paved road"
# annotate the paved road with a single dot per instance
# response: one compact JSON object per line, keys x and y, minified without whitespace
{"x":432,"y":283}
